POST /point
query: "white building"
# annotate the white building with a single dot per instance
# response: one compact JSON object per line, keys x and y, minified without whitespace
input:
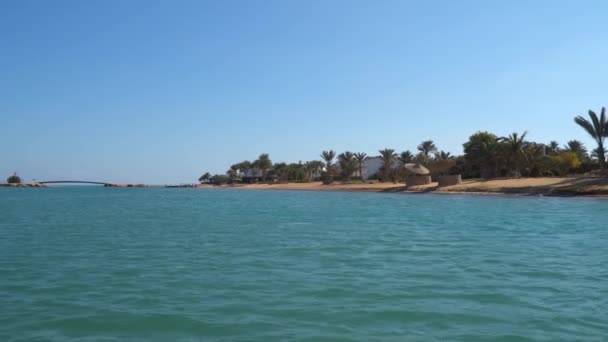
{"x":372,"y":165}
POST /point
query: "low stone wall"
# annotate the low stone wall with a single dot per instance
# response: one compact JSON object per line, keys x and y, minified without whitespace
{"x":449,"y":180}
{"x":417,"y":180}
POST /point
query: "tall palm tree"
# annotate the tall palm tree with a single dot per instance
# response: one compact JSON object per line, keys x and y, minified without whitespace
{"x":328,"y":156}
{"x":347,"y":164}
{"x":598,"y":130}
{"x":360,"y":158}
{"x":578,"y":148}
{"x":553,"y":147}
{"x":595,"y":154}
{"x":426,"y":148}
{"x":406,"y":157}
{"x":388,"y":157}
{"x":313,"y":168}
{"x":480,"y":154}
{"x":513,"y":148}
{"x":264,"y":164}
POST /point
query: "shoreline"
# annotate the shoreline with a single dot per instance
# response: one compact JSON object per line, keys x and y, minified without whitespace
{"x":541,"y":187}
{"x":589,"y":187}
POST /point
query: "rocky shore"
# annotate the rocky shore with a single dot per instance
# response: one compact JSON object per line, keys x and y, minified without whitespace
{"x":22,"y":185}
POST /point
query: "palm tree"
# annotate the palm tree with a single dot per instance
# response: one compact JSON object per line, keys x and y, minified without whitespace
{"x":553,"y":147}
{"x":312,"y":168}
{"x":595,"y":154}
{"x":578,"y":148}
{"x":598,"y":130}
{"x":347,"y":164}
{"x":480,"y":154}
{"x":426,"y":148}
{"x":360,"y":158}
{"x":328,"y":156}
{"x":280,"y":170}
{"x":205,"y":178}
{"x":513,"y":146}
{"x":388,"y":157}
{"x":264,"y":164}
{"x":406,"y":157}
{"x":443,"y":155}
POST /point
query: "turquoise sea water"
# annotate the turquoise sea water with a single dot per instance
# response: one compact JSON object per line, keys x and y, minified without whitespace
{"x":100,"y":264}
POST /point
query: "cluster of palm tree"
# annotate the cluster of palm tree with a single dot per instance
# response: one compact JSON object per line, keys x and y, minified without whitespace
{"x":263,"y":170}
{"x":349,"y":165}
{"x":485,"y":155}
{"x":597,"y":127}
{"x":393,"y":164}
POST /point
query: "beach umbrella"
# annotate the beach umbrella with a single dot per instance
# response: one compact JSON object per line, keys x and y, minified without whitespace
{"x":417,"y":169}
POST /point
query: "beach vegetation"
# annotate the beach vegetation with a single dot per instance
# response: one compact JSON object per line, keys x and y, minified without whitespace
{"x":565,"y":163}
{"x":480,"y":155}
{"x":328,"y":173}
{"x":577,"y":148}
{"x":204,"y":178}
{"x":388,"y":158}
{"x":219,"y":179}
{"x":348,"y":165}
{"x":512,"y":148}
{"x":426,"y":150}
{"x":486,"y":155}
{"x":360,"y":159}
{"x":264,"y":164}
{"x":14,"y":179}
{"x":597,"y":127}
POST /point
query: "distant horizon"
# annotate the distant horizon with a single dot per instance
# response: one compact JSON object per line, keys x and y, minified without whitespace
{"x":161,"y":93}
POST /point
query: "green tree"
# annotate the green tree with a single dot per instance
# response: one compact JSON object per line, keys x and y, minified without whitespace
{"x":219,"y":179}
{"x":406,"y":157}
{"x":426,"y":148}
{"x":553,"y":147}
{"x":280,"y":171}
{"x":348,"y":164}
{"x":513,"y":150}
{"x":14,"y":179}
{"x":328,"y":156}
{"x":578,"y":148}
{"x":360,"y":158}
{"x":595,"y":154}
{"x":204,"y":178}
{"x":264,"y":164}
{"x":597,"y":127}
{"x":480,"y":155}
{"x":443,"y":155}
{"x":565,"y":162}
{"x":313,"y":167}
{"x":388,"y":157}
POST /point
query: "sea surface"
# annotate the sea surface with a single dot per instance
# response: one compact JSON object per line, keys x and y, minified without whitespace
{"x":112,"y":264}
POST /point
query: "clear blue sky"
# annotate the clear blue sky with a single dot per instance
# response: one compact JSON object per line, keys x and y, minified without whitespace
{"x":161,"y":91}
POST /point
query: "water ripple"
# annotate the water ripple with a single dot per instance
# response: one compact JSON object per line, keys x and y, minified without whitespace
{"x":94,"y":264}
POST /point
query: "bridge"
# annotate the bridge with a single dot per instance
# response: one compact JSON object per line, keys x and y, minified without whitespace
{"x":74,"y":182}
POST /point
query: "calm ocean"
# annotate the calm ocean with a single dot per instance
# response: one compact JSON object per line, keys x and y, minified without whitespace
{"x":111,"y":264}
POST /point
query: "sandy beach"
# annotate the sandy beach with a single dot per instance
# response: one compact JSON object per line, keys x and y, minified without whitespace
{"x":547,"y":186}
